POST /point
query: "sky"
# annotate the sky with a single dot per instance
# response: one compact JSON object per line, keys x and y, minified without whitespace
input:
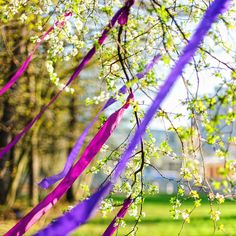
{"x":207,"y":83}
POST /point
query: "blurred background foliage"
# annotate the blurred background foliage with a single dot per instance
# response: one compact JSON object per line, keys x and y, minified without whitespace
{"x":190,"y":147}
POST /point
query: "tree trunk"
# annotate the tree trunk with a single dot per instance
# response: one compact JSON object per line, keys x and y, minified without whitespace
{"x":34,"y":170}
{"x":7,"y":161}
{"x":21,"y":167}
{"x":34,"y":163}
{"x":9,"y":33}
{"x":72,"y":112}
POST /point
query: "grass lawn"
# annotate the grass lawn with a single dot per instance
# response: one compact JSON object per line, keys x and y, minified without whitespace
{"x":157,"y":221}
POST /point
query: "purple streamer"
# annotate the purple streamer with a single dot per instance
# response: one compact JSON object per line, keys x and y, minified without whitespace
{"x":148,"y":67}
{"x":83,"y":63}
{"x":77,"y":216}
{"x":47,"y":182}
{"x":23,"y":67}
{"x":80,"y":212}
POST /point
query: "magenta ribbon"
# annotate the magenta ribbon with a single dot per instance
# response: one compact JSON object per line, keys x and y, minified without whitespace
{"x":23,"y":67}
{"x":120,"y":215}
{"x":83,"y":211}
{"x":47,"y":182}
{"x":92,"y":149}
{"x":83,"y":63}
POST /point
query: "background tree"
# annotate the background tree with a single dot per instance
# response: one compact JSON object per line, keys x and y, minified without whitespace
{"x":26,"y":163}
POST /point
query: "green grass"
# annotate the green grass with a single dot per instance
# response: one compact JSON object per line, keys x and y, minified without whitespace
{"x":157,"y":221}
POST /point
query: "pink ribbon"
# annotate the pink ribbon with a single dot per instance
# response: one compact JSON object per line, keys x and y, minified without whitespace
{"x":120,"y":215}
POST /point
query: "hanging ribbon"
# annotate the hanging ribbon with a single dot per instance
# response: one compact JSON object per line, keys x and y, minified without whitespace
{"x":24,"y":66}
{"x":47,"y":182}
{"x":83,"y":63}
{"x":77,"y":216}
{"x":120,"y":215}
{"x":92,"y":149}
{"x":83,"y":211}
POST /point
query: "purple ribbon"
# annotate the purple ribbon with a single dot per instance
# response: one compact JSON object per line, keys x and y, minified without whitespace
{"x":23,"y":67}
{"x":77,"y":216}
{"x":83,"y":63}
{"x":81,"y":213}
{"x":92,"y":149}
{"x":47,"y":182}
{"x":120,"y":215}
